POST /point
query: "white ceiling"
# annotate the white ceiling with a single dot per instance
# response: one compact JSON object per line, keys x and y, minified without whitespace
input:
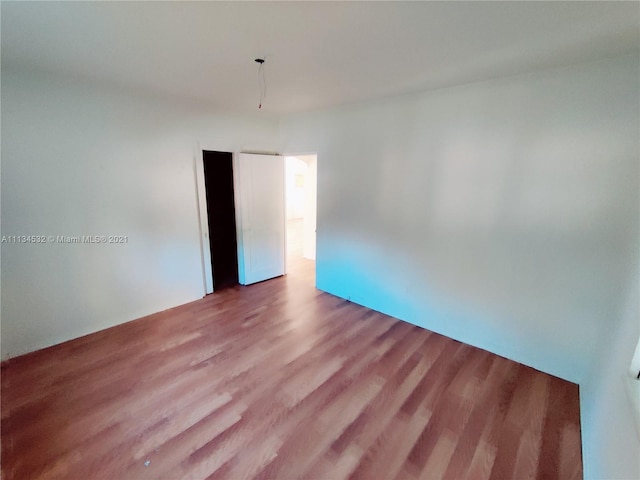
{"x":319,"y":54}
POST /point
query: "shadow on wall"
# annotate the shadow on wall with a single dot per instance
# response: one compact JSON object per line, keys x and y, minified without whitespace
{"x":456,"y":299}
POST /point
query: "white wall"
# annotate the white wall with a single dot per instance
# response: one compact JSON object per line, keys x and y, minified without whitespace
{"x":80,"y":159}
{"x":501,"y":214}
{"x":611,"y":445}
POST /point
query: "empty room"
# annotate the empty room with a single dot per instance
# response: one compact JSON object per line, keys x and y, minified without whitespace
{"x":320,"y":240}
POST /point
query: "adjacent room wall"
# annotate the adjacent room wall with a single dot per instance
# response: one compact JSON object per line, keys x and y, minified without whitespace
{"x":295,"y":198}
{"x":310,"y":200}
{"x":501,"y":214}
{"x":81,"y":159}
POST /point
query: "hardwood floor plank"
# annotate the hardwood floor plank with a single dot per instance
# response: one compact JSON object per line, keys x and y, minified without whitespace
{"x":483,"y":408}
{"x":281,"y":381}
{"x":527,"y":460}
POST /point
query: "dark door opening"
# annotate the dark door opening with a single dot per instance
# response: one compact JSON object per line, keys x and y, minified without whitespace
{"x":221,"y":213}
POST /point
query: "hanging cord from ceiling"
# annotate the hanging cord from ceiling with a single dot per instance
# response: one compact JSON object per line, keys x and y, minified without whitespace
{"x":262,"y":80}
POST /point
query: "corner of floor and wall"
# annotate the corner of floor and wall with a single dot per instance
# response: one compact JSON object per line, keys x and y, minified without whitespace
{"x":503,"y":214}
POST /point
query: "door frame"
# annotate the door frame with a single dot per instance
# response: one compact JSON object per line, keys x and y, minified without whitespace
{"x":201,"y":204}
{"x":203,"y":220}
{"x":201,"y":207}
{"x":305,"y":154}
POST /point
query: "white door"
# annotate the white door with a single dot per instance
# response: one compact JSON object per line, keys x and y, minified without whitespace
{"x":260,"y":217}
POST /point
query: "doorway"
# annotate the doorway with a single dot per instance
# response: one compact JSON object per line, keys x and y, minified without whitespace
{"x":300,"y":186}
{"x":218,"y":181}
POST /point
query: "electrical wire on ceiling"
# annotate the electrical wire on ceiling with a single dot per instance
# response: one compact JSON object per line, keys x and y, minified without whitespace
{"x":262,"y":80}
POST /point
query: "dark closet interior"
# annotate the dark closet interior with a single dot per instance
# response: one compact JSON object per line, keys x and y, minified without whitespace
{"x":221,"y":213}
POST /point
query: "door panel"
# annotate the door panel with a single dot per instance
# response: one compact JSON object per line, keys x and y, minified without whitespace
{"x":260,"y":217}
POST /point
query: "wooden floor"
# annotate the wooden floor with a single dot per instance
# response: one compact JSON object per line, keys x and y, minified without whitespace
{"x":279,"y":380}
